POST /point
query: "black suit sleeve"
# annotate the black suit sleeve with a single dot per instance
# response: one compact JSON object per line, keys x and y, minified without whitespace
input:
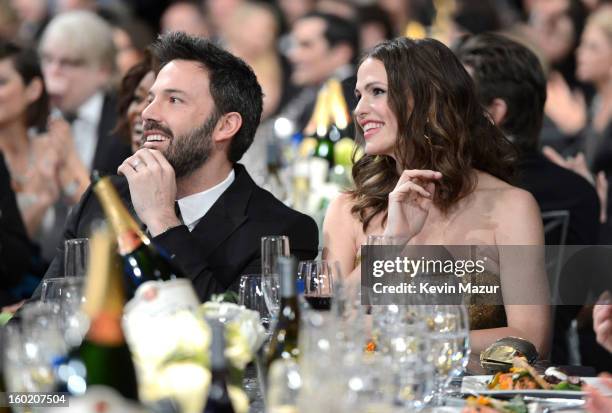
{"x":14,"y":242}
{"x":187,"y":254}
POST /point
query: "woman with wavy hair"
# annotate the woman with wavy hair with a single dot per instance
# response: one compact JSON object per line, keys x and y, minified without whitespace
{"x":436,"y":171}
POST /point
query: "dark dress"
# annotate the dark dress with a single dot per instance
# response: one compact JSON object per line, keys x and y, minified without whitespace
{"x":15,"y":246}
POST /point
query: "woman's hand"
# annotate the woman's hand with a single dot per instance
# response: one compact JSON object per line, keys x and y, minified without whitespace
{"x":43,"y":180}
{"x":602,"y":321}
{"x":596,"y":402}
{"x":73,"y":175}
{"x":578,"y":165}
{"x":565,"y":107}
{"x":410,"y":201}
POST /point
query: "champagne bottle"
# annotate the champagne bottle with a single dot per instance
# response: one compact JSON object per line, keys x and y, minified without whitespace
{"x":142,"y":261}
{"x":325,"y":145}
{"x":103,"y":358}
{"x":218,"y":400}
{"x":284,"y":340}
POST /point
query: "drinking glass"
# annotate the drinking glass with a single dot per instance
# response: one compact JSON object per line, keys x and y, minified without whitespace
{"x":68,"y":295}
{"x":272,"y":247}
{"x":449,"y":348}
{"x":386,"y":240}
{"x":319,"y":277}
{"x":76,"y":257}
{"x":31,"y":347}
{"x":250,"y":295}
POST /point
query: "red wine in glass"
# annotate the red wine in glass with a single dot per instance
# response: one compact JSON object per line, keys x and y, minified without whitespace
{"x":319,"y":302}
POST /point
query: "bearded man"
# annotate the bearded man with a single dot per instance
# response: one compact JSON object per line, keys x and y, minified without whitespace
{"x":185,"y":184}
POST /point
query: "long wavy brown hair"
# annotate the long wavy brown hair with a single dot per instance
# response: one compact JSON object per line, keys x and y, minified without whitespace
{"x":441,"y":126}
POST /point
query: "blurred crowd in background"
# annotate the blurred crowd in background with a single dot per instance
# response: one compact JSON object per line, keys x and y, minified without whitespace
{"x":74,"y":76}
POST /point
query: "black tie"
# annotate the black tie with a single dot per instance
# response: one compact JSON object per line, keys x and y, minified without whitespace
{"x":177,"y":210}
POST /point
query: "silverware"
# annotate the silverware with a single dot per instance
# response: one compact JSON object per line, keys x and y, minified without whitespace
{"x":560,"y":407}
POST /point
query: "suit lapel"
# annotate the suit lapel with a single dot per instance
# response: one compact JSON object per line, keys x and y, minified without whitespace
{"x":104,"y":127}
{"x":227,"y":214}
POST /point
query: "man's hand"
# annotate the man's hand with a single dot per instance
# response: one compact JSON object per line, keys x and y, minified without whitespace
{"x":152,"y":189}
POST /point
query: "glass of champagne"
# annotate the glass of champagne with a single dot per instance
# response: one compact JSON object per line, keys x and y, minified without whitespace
{"x":272,"y":247}
{"x":449,"y":348}
{"x":76,"y":257}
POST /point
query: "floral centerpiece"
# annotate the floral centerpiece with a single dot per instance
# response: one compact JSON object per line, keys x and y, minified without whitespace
{"x":171,"y":353}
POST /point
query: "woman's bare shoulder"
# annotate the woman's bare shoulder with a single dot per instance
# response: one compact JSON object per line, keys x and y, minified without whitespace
{"x":504,"y":194}
{"x":339,"y":210}
{"x":515,"y":211}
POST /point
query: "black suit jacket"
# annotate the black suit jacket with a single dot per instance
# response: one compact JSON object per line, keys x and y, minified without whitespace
{"x":14,"y":243}
{"x":556,"y":188}
{"x":225,"y":243}
{"x":111,"y":150}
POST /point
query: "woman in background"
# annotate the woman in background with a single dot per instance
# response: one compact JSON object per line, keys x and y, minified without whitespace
{"x":47,"y":175}
{"x":132,"y":100}
{"x":436,"y":172}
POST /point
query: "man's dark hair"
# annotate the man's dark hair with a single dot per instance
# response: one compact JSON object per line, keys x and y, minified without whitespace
{"x":233,"y":84}
{"x":374,"y":14}
{"x":504,"y":69}
{"x":338,"y":30}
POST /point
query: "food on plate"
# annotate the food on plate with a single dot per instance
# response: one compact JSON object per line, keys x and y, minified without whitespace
{"x":524,"y":377}
{"x":482,"y":404}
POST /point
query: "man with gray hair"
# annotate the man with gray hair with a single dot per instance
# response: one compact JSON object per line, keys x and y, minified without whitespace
{"x":78,"y":63}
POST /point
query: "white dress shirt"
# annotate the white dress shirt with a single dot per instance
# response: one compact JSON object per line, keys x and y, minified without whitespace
{"x":85,"y":128}
{"x":194,"y":207}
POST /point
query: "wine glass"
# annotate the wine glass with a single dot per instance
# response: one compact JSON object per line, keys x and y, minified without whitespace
{"x":250,"y":295}
{"x":272,"y":247}
{"x":76,"y":257}
{"x":319,"y":277}
{"x":68,"y":295}
{"x":449,"y":349}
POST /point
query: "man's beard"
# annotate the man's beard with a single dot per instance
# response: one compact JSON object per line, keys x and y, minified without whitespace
{"x":188,"y":152}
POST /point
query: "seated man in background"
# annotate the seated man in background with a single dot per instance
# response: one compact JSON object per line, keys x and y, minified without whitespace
{"x":203,"y":110}
{"x":511,"y":85}
{"x":78,"y":63}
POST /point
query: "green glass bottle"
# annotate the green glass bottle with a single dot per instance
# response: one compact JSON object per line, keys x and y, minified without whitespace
{"x":142,"y":260}
{"x":103,"y":358}
{"x":325,"y":145}
{"x":284,"y":340}
{"x":218,"y":400}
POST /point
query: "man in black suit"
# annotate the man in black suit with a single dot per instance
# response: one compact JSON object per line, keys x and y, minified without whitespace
{"x":204,"y":108}
{"x":78,"y":64}
{"x":511,"y":85}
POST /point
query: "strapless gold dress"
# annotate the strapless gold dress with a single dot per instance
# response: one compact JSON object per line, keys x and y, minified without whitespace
{"x":482,"y":313}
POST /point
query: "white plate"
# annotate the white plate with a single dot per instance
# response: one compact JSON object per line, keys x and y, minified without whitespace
{"x":478,"y":385}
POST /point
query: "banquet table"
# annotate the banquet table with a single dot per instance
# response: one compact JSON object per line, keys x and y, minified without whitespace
{"x":454,"y":403}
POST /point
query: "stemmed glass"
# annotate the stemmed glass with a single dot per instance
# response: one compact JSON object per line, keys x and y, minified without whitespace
{"x":250,"y":295}
{"x":67,"y":294}
{"x":272,"y":247}
{"x":76,"y":257}
{"x":449,"y":348}
{"x":319,"y":277}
